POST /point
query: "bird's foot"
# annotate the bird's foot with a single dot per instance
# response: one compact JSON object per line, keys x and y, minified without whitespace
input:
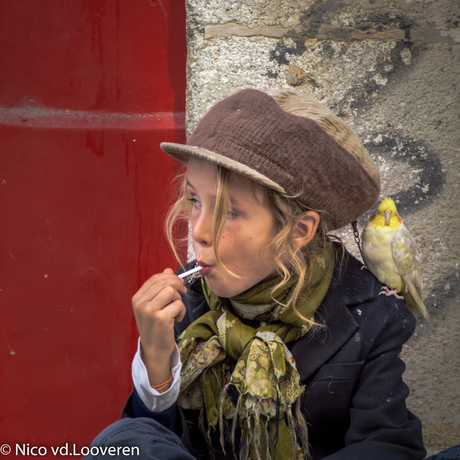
{"x":390,"y":292}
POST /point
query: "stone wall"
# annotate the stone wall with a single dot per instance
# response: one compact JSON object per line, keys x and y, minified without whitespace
{"x":390,"y":69}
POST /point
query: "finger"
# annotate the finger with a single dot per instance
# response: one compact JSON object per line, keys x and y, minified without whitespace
{"x":147,"y":308}
{"x":167,"y":285}
{"x":168,"y":273}
{"x":160,"y":302}
{"x":156,"y":283}
{"x":160,"y":315}
{"x":173,"y":311}
{"x":180,"y":315}
{"x":166,"y":296}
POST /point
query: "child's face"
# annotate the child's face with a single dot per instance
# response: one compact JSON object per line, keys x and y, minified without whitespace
{"x":243,"y":246}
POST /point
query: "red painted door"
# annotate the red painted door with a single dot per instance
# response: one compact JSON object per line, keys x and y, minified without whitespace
{"x":88,"y":90}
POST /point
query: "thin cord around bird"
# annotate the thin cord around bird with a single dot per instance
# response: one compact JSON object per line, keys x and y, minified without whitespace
{"x":354,"y":224}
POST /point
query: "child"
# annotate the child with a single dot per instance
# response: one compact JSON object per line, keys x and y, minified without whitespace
{"x":286,"y":350}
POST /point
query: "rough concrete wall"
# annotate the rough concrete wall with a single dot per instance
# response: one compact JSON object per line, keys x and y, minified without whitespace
{"x":391,"y":69}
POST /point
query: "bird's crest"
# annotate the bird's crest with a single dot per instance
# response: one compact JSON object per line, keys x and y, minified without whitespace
{"x":387,"y":214}
{"x":387,"y":204}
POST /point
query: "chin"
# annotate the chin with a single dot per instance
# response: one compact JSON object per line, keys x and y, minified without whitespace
{"x":221,"y":291}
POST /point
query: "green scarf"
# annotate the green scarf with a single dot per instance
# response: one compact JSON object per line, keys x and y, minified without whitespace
{"x":265,"y":375}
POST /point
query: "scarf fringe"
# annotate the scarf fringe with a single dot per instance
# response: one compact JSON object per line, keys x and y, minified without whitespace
{"x":223,"y":398}
{"x":302,"y":429}
{"x":258,"y":437}
{"x":256,"y":427}
{"x":267,"y":438}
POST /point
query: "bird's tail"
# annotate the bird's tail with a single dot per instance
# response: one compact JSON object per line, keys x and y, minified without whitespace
{"x":414,"y":301}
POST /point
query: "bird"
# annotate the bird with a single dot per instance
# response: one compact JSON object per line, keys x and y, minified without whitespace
{"x":390,"y":254}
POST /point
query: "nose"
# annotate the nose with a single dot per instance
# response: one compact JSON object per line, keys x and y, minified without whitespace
{"x":202,"y":229}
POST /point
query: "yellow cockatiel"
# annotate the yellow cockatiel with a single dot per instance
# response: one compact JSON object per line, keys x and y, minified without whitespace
{"x":391,"y":256}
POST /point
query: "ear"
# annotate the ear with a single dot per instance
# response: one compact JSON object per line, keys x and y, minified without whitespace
{"x":305,"y":229}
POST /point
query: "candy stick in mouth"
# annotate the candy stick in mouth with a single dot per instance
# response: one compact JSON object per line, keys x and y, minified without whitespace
{"x":190,"y":272}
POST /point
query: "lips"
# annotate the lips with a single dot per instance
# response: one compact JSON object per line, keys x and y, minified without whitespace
{"x":206,"y":268}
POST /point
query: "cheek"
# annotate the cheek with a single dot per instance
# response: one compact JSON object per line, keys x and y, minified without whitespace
{"x":240,"y":244}
{"x":193,"y":219}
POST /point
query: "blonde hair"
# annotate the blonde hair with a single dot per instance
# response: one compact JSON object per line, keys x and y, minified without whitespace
{"x":289,"y":258}
{"x":286,"y":211}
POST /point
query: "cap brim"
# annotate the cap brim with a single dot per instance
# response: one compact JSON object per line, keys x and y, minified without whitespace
{"x":182,"y":153}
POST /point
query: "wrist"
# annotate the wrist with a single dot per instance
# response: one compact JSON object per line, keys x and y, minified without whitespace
{"x":162,"y":387}
{"x":158,"y":367}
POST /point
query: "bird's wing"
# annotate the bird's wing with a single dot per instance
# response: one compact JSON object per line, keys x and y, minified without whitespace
{"x":407,"y":262}
{"x":406,"y":257}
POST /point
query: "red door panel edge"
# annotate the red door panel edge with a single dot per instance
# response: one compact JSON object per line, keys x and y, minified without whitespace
{"x":88,"y":90}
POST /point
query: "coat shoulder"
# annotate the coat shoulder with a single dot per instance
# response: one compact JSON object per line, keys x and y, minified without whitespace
{"x":361,"y":293}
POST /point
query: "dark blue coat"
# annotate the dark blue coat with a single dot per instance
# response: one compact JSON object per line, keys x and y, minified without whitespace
{"x":354,"y":401}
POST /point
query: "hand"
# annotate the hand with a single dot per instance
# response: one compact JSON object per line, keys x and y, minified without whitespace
{"x":157,"y":306}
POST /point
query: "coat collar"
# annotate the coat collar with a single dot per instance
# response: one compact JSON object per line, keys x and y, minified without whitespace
{"x":350,"y":286}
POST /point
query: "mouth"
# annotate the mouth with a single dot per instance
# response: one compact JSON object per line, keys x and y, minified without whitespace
{"x":206,"y":268}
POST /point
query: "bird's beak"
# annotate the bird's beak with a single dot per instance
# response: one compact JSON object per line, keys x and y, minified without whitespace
{"x":387,"y":215}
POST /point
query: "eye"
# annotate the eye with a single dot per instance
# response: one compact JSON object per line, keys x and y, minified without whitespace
{"x":232,"y":214}
{"x":195,"y":202}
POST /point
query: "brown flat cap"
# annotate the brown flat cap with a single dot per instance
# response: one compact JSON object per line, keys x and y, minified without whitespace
{"x":287,"y":141}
